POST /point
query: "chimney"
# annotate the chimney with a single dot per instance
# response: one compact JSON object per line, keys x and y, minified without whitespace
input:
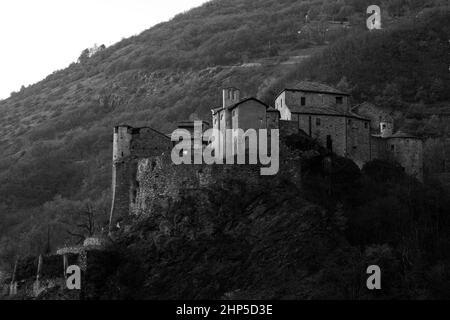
{"x":230,"y":96}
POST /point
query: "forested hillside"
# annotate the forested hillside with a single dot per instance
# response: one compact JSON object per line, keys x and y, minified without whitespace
{"x":55,"y":136}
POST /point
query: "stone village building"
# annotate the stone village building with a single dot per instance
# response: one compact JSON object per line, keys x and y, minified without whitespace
{"x":360,"y":133}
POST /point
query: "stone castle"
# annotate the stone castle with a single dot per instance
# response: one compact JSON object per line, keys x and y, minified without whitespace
{"x":145,"y":181}
{"x":144,"y":176}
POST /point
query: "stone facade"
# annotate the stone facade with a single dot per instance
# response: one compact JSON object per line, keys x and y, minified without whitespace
{"x":361,"y":133}
{"x":130,"y":145}
{"x":324,"y":114}
{"x":162,"y":183}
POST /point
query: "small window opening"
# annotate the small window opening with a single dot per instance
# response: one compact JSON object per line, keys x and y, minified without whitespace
{"x":303,"y":101}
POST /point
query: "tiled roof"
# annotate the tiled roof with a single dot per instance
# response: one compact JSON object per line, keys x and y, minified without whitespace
{"x":231,"y":107}
{"x":355,"y":115}
{"x":317,"y":109}
{"x":245,"y":100}
{"x":215,"y":110}
{"x":398,"y":134}
{"x":401,"y":134}
{"x":364,"y":104}
{"x":316,"y":87}
{"x":324,"y":109}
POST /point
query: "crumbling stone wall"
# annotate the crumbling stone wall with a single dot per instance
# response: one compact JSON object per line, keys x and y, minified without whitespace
{"x":162,"y":183}
{"x":143,"y":142}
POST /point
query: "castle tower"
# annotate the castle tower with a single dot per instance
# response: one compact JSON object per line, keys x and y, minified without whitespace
{"x":230,"y":96}
{"x":386,"y":129}
{"x":121,"y":142}
{"x":120,"y":171}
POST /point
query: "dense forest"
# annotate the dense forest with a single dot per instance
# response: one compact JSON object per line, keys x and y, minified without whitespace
{"x":56,"y":135}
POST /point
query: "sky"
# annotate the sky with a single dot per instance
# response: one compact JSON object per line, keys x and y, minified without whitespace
{"x":38,"y":37}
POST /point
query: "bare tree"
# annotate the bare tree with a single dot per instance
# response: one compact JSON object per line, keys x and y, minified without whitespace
{"x":87,"y":224}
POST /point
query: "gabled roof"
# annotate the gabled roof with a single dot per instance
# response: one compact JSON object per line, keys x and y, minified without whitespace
{"x":326,"y":110}
{"x":309,"y":86}
{"x":246,"y":100}
{"x":364,"y":104}
{"x":384,"y":110}
{"x":357,"y":116}
{"x":215,"y":110}
{"x":403,"y":135}
{"x":315,"y":109}
{"x":138,"y":130}
{"x":231,"y":107}
{"x":398,"y":135}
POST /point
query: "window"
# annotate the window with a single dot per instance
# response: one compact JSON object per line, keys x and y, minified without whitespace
{"x":383,"y":126}
{"x":303,"y":101}
{"x":317,"y":121}
{"x":339,"y":100}
{"x":392,"y":147}
{"x":234,"y":113}
{"x":366,"y":125}
{"x":349,"y":121}
{"x":221,"y":116}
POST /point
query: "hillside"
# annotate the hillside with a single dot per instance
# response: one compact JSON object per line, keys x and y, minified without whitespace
{"x":292,"y":236}
{"x":56,"y":135}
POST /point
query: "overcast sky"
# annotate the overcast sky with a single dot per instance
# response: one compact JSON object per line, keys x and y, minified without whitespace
{"x":38,"y":37}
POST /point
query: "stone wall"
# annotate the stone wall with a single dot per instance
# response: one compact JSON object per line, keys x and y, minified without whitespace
{"x":293,"y":98}
{"x":162,"y":183}
{"x":249,"y":115}
{"x":378,"y":148}
{"x":358,"y":141}
{"x":288,"y":128}
{"x":272,"y":119}
{"x":409,"y":153}
{"x":123,"y":178}
{"x":144,"y":142}
{"x":147,"y":142}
